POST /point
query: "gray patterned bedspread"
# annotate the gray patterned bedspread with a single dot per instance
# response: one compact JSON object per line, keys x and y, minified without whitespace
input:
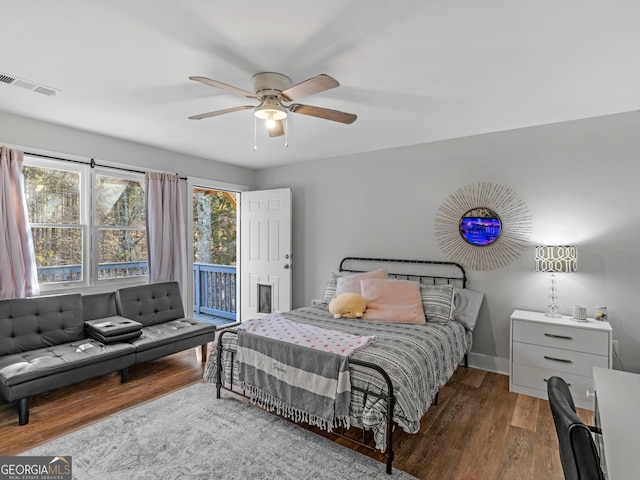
{"x":419,"y":359}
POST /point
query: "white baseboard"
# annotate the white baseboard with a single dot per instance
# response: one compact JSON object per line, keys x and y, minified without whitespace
{"x":490,"y":364}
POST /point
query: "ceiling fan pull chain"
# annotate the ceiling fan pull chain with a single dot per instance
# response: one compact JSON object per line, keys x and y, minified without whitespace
{"x":286,"y":133}
{"x":255,"y":134}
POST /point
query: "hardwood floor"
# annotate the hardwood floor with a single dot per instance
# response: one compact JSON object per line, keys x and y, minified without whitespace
{"x":61,"y":411}
{"x":478,"y":430}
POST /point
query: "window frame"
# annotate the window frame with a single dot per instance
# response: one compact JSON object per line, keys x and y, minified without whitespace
{"x":95,"y":228}
{"x":87,"y":221}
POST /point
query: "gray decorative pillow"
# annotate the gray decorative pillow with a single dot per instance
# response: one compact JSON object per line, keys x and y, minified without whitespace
{"x":468,"y":305}
{"x":330,"y":288}
{"x":438,"y":302}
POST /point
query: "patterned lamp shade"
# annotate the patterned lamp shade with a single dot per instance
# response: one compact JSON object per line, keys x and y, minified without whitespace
{"x":556,"y":258}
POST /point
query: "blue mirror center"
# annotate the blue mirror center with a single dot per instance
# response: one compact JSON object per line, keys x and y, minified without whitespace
{"x":480,"y":226}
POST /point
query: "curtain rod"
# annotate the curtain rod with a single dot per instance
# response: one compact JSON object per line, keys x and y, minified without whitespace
{"x":92,"y":163}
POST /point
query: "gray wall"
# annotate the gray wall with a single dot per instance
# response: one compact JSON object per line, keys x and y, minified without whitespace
{"x":37,"y":135}
{"x":579,"y":180}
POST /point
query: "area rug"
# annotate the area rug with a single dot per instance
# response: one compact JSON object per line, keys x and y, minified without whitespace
{"x":190,"y":434}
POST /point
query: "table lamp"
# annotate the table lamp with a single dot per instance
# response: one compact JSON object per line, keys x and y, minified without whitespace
{"x":555,"y":259}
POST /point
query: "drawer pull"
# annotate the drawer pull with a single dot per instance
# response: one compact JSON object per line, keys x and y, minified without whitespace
{"x":563,"y":337}
{"x":557,"y":359}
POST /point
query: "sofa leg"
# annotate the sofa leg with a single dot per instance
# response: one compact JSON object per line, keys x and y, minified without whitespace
{"x":23,"y":411}
{"x":203,"y":348}
{"x":125,"y":375}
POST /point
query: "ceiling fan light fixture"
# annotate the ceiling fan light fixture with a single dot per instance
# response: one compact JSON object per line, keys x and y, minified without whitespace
{"x":270,"y":114}
{"x":270,"y":109}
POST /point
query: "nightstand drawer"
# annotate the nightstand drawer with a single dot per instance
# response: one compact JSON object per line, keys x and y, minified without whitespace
{"x":536,"y":378}
{"x":567,"y":361}
{"x":559,"y":336}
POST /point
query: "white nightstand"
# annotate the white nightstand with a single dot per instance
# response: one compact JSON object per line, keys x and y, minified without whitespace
{"x":542,"y":347}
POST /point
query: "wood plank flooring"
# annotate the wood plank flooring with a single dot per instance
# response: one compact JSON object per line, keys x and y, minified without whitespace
{"x":478,"y":430}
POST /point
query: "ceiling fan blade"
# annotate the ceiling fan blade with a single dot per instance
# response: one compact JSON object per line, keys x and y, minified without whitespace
{"x":220,"y":112}
{"x":277,"y":130}
{"x":317,"y":84}
{"x":327,"y":114}
{"x":224,"y":86}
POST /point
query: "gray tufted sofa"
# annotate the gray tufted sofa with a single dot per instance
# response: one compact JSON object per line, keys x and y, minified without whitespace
{"x":158,"y":307}
{"x":44,"y":344}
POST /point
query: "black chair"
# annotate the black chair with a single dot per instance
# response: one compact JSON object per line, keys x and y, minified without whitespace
{"x":578,"y":454}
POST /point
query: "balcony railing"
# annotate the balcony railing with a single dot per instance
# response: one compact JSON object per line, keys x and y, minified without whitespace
{"x":73,"y":273}
{"x":214,"y":286}
{"x":214,"y":290}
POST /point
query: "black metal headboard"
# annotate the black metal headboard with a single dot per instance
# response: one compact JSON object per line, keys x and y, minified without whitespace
{"x":432,"y":272}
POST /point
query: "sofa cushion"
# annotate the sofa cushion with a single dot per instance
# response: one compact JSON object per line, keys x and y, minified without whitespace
{"x":26,"y":366}
{"x":39,"y":322}
{"x":99,"y":305}
{"x":171,"y":332}
{"x":151,"y":304}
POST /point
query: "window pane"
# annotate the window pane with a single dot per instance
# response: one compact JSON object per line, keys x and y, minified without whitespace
{"x":58,"y":254}
{"x":121,"y":253}
{"x":119,"y":202}
{"x":53,"y":196}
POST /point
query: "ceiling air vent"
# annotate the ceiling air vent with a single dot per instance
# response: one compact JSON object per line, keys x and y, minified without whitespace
{"x":44,"y":90}
{"x":27,"y":84}
{"x":6,"y":78}
{"x":23,"y":84}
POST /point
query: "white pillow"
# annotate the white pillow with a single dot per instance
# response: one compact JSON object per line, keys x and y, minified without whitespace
{"x":351,"y":283}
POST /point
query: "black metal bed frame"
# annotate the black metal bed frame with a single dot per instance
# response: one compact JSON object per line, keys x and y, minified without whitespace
{"x":404,"y":268}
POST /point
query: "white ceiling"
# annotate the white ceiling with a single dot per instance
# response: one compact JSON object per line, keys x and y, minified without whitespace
{"x":414,"y":71}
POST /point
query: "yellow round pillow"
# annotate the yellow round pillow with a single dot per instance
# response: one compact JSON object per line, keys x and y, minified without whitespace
{"x":347,"y":305}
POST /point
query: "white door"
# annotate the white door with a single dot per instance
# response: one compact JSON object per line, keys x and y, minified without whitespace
{"x":265,"y":252}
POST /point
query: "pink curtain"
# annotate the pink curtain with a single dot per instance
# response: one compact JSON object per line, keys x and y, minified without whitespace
{"x":165,"y":228}
{"x":18,"y":271}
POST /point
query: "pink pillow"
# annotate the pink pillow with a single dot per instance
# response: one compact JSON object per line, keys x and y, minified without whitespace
{"x":394,"y":301}
{"x":351,"y":283}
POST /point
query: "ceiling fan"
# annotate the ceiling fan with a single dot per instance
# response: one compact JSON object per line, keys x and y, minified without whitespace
{"x":273,"y":90}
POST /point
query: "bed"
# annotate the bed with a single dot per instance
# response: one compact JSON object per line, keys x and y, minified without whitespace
{"x":396,"y":379}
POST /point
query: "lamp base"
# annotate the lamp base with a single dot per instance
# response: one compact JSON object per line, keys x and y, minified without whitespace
{"x":553,"y":311}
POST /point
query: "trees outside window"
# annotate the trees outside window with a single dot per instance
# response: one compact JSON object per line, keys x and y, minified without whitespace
{"x":120,"y":227}
{"x":54,"y":205}
{"x":82,"y":234}
{"x":214,"y":229}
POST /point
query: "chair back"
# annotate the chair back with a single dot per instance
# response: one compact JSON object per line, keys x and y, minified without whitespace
{"x":578,"y":454}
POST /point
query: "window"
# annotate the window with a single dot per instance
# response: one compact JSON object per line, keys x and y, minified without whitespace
{"x":88,"y":224}
{"x":120,"y":230}
{"x":54,"y":205}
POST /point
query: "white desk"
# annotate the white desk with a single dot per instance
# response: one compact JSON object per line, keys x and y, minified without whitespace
{"x":617,"y":404}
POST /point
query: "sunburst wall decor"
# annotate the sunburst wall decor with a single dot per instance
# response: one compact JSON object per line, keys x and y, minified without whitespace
{"x":514,"y":230}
